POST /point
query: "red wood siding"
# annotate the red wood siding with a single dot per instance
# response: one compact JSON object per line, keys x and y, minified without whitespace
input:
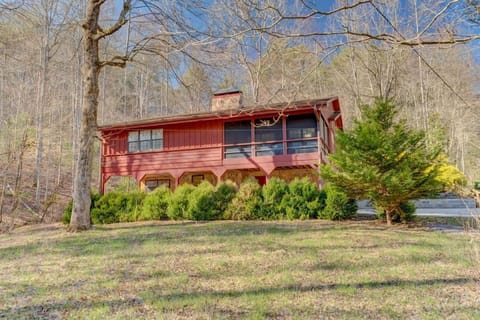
{"x":205,"y":134}
{"x":162,"y":161}
{"x":196,"y":146}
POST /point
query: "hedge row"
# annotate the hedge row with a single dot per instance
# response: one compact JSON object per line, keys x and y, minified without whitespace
{"x":299,"y":199}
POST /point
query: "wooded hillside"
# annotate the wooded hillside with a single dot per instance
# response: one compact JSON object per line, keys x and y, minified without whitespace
{"x":422,"y":54}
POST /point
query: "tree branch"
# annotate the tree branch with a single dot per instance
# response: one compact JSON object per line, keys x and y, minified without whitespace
{"x":122,"y":20}
{"x":441,"y":12}
{"x":117,"y":61}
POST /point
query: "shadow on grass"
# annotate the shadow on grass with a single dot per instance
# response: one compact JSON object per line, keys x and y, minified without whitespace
{"x":52,"y":310}
{"x":103,"y":240}
{"x":318,"y":287}
{"x":141,"y":225}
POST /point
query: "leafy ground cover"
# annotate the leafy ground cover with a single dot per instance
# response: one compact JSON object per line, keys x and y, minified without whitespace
{"x":224,"y":269}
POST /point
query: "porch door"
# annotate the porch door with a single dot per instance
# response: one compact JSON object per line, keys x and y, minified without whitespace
{"x":262,"y":180}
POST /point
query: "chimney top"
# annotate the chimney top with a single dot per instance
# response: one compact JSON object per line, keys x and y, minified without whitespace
{"x":227,"y":99}
{"x":226,"y":91}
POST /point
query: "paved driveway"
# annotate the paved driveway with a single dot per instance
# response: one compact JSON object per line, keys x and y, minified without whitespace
{"x":466,"y":212}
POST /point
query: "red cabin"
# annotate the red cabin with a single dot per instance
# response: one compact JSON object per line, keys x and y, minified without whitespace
{"x":231,"y":142}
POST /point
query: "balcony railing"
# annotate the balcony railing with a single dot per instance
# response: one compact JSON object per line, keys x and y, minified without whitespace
{"x":271,"y":148}
{"x":237,"y":151}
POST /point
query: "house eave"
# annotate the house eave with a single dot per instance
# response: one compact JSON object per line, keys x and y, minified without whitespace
{"x":224,"y":114}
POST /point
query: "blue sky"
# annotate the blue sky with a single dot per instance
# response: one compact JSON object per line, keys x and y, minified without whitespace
{"x":326,"y":5}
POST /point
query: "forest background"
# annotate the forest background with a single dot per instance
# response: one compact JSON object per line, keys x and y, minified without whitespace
{"x":273,"y":51}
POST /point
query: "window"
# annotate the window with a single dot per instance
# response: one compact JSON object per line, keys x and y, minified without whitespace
{"x":152,"y":184}
{"x":145,"y":140}
{"x":197,"y":179}
{"x":270,"y":135}
{"x":238,"y":139}
{"x":269,"y":149}
{"x":302,"y":134}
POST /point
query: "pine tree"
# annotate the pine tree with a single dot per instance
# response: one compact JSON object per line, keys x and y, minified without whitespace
{"x":383,"y":160}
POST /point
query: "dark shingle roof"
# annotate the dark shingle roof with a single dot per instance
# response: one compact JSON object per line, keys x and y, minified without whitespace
{"x":248,"y":110}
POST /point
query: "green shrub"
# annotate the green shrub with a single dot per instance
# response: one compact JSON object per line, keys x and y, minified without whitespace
{"x":117,"y":207}
{"x":67,"y":213}
{"x":155,"y":204}
{"x":405,"y":214}
{"x":202,"y":205}
{"x":303,"y":200}
{"x":337,"y":205}
{"x":178,"y":202}
{"x":273,"y":193}
{"x":224,"y":194}
{"x":246,"y":203}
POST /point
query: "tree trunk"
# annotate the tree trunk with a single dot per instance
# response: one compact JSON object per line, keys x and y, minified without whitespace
{"x":88,"y":124}
{"x":4,"y":183}
{"x":41,"y":101}
{"x":388,"y":214}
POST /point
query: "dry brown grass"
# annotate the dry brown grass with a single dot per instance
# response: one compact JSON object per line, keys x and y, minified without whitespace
{"x":279,"y":270}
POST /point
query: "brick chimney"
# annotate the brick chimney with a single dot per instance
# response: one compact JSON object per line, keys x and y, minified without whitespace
{"x":230,"y":99}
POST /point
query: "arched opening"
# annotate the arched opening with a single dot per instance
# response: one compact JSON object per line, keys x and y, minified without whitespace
{"x":150,"y":182}
{"x":121,"y":183}
{"x":195,"y":178}
{"x":288,"y":174}
{"x":239,"y":175}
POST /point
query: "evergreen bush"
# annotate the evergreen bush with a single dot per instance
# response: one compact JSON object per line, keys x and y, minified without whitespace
{"x":303,"y":200}
{"x":155,"y":204}
{"x":202,"y":204}
{"x":337,"y":205}
{"x":273,"y":193}
{"x":178,"y":202}
{"x":117,"y":207}
{"x":224,"y":194}
{"x":247,"y":202}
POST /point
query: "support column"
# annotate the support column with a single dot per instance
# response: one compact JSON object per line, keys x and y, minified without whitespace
{"x":218,"y":174}
{"x":102,"y":183}
{"x":177,"y":174}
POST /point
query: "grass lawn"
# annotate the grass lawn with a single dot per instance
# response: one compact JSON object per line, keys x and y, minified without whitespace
{"x":224,"y":270}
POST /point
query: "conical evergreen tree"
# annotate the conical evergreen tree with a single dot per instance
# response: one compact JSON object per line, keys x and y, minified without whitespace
{"x":383,"y":160}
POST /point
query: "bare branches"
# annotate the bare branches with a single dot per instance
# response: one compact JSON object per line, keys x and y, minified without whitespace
{"x":435,"y":18}
{"x":122,"y":20}
{"x":11,"y":5}
{"x":429,"y":34}
{"x":117,"y":61}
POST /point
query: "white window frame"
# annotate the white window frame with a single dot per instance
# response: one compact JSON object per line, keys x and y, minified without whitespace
{"x":145,"y":140}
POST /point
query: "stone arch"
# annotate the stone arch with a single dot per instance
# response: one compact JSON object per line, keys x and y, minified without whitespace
{"x":290,"y":173}
{"x":120,"y":183}
{"x":195,"y":177}
{"x":151,"y":181}
{"x":239,"y":175}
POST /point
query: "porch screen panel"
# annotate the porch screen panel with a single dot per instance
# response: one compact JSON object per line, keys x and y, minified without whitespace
{"x":268,"y":137}
{"x":302,"y":134}
{"x":237,"y":139}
